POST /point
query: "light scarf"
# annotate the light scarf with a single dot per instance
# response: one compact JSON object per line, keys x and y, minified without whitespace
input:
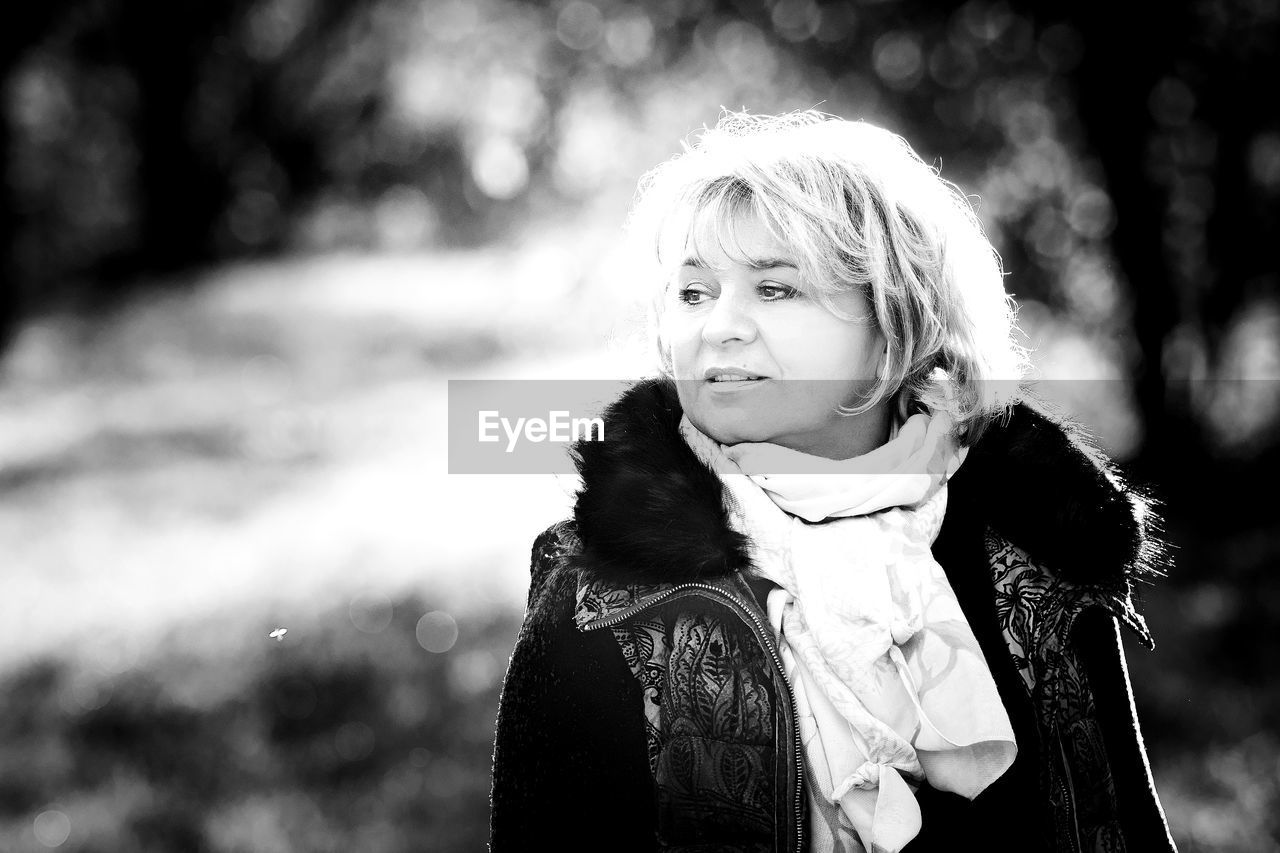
{"x":890,"y":683}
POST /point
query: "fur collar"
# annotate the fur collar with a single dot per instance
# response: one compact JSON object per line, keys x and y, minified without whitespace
{"x":649,"y":511}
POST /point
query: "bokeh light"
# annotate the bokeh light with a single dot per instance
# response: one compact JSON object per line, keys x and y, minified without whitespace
{"x":52,"y":828}
{"x":437,"y":632}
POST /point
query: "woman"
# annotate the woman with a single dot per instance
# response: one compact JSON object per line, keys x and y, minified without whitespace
{"x":826,"y":587}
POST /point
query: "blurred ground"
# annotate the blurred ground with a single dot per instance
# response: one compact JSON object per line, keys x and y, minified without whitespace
{"x":276,"y":435}
{"x":267,"y":451}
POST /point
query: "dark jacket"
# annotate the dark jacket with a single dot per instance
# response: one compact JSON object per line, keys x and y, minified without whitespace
{"x":645,"y":707}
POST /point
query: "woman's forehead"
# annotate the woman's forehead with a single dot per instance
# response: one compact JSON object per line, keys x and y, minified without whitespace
{"x":713,"y":234}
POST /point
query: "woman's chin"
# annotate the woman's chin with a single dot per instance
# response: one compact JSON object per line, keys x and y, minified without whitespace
{"x":729,"y":427}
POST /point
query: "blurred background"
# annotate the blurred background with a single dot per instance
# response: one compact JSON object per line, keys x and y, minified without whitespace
{"x":246,"y":243}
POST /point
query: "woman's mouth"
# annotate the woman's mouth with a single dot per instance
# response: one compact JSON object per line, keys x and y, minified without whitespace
{"x":732,"y":378}
{"x":728,"y":374}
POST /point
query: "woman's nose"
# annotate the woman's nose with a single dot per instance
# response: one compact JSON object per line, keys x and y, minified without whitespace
{"x":730,"y":319}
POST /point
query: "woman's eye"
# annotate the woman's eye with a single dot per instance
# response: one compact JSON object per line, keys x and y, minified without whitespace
{"x":691,"y":295}
{"x":777,"y":292}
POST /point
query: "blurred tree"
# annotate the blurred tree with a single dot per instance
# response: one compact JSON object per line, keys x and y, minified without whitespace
{"x":181,"y":185}
{"x":145,"y":137}
{"x":26,"y":24}
{"x":1165,"y":95}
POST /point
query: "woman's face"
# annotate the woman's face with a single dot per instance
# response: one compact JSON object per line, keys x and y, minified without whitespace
{"x":753,"y":315}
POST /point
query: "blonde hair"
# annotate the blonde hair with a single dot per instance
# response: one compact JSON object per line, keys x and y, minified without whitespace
{"x":861,"y":210}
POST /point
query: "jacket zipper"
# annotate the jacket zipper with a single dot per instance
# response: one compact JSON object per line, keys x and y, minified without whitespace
{"x":765,"y":636}
{"x":1068,"y":791}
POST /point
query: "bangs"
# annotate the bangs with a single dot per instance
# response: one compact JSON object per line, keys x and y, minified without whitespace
{"x":707,"y":224}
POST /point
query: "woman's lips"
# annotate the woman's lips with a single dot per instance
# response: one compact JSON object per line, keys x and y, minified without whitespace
{"x":722,"y":372}
{"x":731,"y":385}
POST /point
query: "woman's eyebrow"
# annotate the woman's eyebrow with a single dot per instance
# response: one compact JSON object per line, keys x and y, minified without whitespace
{"x":753,"y":263}
{"x":772,"y":263}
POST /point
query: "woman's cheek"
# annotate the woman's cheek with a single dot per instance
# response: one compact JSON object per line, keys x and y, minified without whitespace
{"x":681,"y":335}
